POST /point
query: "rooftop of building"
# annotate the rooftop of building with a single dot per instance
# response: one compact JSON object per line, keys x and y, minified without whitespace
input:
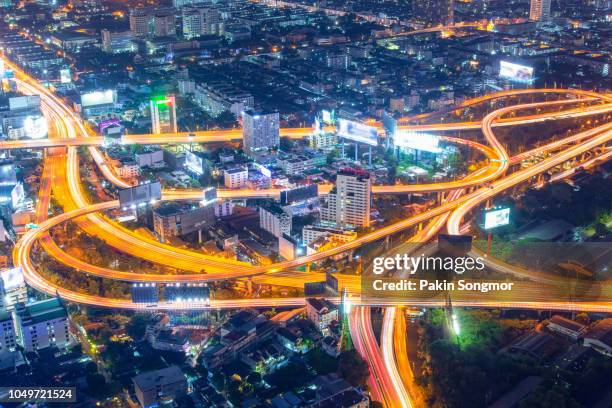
{"x":42,"y":311}
{"x":4,"y":315}
{"x":321,"y":304}
{"x":534,"y":343}
{"x":152,"y":379}
{"x":567,"y":323}
{"x":169,"y":209}
{"x":602,"y":331}
{"x":347,"y":171}
{"x":236,"y":170}
{"x":516,"y":394}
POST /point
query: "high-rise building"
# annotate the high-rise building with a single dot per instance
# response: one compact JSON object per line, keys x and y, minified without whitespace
{"x":201,"y":20}
{"x":172,"y":220}
{"x":8,"y":337}
{"x":236,"y":178}
{"x":274,"y":220}
{"x":8,"y":340}
{"x":539,"y":10}
{"x":178,"y":4}
{"x":43,"y":324}
{"x":163,"y":115}
{"x":151,"y":387}
{"x":433,"y":12}
{"x":13,"y":289}
{"x":153,"y":22}
{"x":115,"y":42}
{"x":260,"y":131}
{"x":348,"y":204}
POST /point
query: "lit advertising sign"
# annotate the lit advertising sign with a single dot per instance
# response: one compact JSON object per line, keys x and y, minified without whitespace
{"x":65,"y":76}
{"x":515,"y":72}
{"x":358,"y":132}
{"x":194,"y":163}
{"x":389,"y":123}
{"x":417,"y":141}
{"x":496,"y":218}
{"x":98,"y":98}
{"x":12,"y":278}
{"x":210,"y":195}
{"x":108,"y":123}
{"x":328,"y":117}
{"x":35,"y":127}
{"x":140,"y":195}
{"x":24,"y":102}
{"x":263,"y":170}
{"x":318,"y":126}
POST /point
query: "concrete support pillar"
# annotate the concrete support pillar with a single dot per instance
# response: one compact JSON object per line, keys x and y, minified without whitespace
{"x":250,"y":286}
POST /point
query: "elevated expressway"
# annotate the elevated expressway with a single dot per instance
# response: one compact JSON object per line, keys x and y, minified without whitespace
{"x":229,"y":135}
{"x":22,"y":250}
{"x":144,"y":248}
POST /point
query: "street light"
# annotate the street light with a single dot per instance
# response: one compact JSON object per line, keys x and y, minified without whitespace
{"x":455,"y":324}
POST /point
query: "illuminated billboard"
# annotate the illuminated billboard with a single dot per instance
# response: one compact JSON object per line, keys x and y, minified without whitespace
{"x":24,"y":102}
{"x":35,"y":127}
{"x":138,"y":196}
{"x":299,"y":194}
{"x":263,"y":170}
{"x":210,"y":195}
{"x":358,"y":132}
{"x":497,"y":217}
{"x":12,"y":278}
{"x":389,"y":123}
{"x":163,"y":114}
{"x":328,"y":117}
{"x":417,"y":141}
{"x":105,"y":124}
{"x":515,"y":72}
{"x":98,"y":98}
{"x":194,"y":163}
{"x":65,"y":76}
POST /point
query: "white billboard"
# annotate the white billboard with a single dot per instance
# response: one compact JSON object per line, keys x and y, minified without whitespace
{"x":358,"y":132}
{"x":24,"y":102}
{"x":328,"y":117}
{"x":263,"y":170}
{"x":417,"y":141}
{"x":140,"y":195}
{"x":497,"y":218}
{"x":194,"y":163}
{"x":65,"y":76}
{"x":515,"y":72}
{"x":98,"y":98}
{"x":12,"y":278}
{"x":35,"y":127}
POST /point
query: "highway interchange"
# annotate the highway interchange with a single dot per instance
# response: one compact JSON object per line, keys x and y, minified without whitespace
{"x":61,"y":178}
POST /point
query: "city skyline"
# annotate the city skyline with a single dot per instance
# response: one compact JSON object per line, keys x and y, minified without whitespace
{"x":284,"y":204}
